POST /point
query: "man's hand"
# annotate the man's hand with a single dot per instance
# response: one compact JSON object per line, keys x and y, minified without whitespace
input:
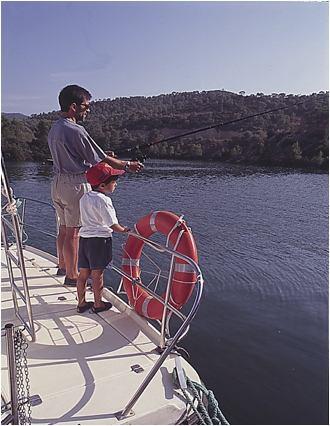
{"x":135,"y":166}
{"x":111,"y":154}
{"x":128,"y":166}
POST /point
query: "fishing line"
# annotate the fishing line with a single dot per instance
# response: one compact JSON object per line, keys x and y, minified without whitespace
{"x":136,"y":152}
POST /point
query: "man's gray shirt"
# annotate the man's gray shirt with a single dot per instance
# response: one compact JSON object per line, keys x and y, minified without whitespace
{"x":73,"y":150}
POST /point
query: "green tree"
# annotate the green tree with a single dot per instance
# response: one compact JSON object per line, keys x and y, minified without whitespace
{"x":39,"y":144}
{"x":16,"y":138}
{"x":196,"y":150}
{"x":296,"y":151}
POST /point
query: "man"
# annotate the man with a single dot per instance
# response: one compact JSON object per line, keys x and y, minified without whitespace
{"x":73,"y":152}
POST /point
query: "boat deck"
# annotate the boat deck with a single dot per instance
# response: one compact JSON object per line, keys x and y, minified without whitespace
{"x":80,"y":364}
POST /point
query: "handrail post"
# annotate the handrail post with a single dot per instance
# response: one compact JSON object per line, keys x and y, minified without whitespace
{"x":9,"y":328}
{"x":168,"y":292}
{"x":167,"y":298}
{"x":23,"y":217}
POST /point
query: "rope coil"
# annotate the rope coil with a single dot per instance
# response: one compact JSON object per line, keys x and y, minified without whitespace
{"x":11,"y":207}
{"x":207,"y":415}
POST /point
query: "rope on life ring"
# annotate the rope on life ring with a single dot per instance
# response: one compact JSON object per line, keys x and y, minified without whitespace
{"x":180,"y":239}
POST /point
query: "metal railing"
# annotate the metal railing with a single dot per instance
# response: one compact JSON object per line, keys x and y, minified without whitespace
{"x":21,"y":203}
{"x":14,"y":226}
{"x":27,"y":225}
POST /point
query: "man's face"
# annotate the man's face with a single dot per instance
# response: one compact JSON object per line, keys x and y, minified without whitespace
{"x":82,"y":110}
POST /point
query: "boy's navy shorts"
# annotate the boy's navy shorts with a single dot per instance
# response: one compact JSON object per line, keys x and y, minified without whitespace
{"x":95,"y":252}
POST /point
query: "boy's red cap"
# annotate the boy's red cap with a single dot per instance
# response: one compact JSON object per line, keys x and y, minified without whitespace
{"x":100,"y":173}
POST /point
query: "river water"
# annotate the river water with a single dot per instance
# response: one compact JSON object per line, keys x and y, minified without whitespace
{"x":260,"y":337}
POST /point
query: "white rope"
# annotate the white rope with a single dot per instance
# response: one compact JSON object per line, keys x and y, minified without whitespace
{"x":11,"y":208}
{"x":152,"y":222}
{"x":177,"y":224}
{"x":184,"y":267}
{"x":131,"y":272}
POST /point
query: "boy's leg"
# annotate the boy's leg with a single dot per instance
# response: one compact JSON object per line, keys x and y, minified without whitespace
{"x":97,"y":277}
{"x":100,"y":256}
{"x":84,"y":273}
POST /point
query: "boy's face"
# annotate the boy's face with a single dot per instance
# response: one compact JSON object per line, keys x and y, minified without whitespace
{"x":109,"y":187}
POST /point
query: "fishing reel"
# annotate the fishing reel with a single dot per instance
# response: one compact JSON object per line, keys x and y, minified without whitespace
{"x":134,"y":153}
{"x":137,"y":154}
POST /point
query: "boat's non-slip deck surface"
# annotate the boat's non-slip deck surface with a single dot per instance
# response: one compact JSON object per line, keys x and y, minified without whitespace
{"x":80,"y":364}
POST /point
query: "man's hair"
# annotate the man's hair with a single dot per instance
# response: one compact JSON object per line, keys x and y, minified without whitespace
{"x":72,"y":94}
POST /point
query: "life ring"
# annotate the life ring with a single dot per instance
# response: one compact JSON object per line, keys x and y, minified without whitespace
{"x":184,"y":276}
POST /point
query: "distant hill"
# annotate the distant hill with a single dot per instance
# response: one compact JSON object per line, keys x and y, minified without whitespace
{"x":296,"y":136}
{"x":16,"y":115}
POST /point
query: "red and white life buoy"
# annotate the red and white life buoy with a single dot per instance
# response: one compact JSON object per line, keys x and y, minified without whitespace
{"x":184,"y":276}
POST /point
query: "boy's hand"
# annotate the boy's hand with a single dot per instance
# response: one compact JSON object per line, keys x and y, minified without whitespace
{"x":119,"y":228}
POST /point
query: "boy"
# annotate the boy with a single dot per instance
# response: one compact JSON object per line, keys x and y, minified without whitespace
{"x":99,"y":220}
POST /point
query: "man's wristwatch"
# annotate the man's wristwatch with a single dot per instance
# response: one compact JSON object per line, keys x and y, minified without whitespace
{"x":127,"y":166}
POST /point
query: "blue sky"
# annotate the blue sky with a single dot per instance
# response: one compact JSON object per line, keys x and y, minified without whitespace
{"x":147,"y":48}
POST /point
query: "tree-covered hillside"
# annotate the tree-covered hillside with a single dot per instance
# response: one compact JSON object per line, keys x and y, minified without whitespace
{"x":297,"y":136}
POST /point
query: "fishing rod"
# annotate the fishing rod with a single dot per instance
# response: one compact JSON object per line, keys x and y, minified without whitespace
{"x":136,"y":152}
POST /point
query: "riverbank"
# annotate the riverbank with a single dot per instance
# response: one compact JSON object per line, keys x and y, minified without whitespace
{"x":295,"y":135}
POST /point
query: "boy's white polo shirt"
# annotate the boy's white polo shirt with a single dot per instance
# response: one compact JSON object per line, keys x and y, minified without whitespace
{"x":97,"y":215}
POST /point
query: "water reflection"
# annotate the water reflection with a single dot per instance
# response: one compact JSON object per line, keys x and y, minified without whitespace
{"x":165,"y":168}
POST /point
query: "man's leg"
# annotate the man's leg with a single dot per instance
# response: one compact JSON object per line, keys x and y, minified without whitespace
{"x":60,"y":245}
{"x":60,"y":213}
{"x":72,"y":190}
{"x":70,"y":252}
